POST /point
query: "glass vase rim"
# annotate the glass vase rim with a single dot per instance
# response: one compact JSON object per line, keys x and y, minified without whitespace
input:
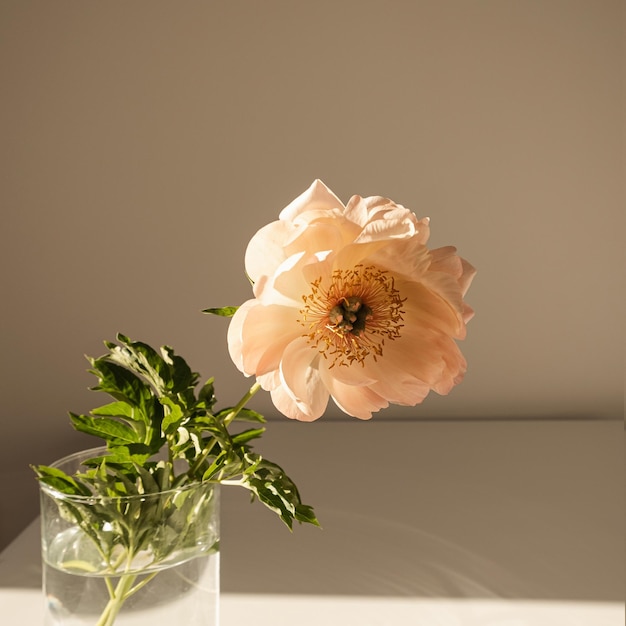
{"x":87,"y":453}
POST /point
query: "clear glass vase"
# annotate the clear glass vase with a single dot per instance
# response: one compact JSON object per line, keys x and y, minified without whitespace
{"x":145,"y":559}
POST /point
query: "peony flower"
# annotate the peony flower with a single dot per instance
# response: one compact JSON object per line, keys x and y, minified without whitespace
{"x":350,"y":304}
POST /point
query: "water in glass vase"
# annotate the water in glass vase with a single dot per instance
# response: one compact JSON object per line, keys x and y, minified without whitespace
{"x":183,"y":590}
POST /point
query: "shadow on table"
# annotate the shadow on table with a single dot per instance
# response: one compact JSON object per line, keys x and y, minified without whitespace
{"x":356,"y":555}
{"x":364,"y":556}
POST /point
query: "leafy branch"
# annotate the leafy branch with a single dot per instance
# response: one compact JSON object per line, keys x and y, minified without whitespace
{"x":162,"y":434}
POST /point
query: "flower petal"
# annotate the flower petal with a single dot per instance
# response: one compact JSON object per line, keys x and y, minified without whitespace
{"x":258,"y":335}
{"x":269,"y":381}
{"x":425,"y":307}
{"x":291,"y":279}
{"x":380,"y":218}
{"x":355,"y":400}
{"x":446,"y":260}
{"x":234,"y":335}
{"x":317,"y":197}
{"x":285,"y":403}
{"x":404,"y":257}
{"x":301,"y":379}
{"x":421,"y":360}
{"x":265,"y":252}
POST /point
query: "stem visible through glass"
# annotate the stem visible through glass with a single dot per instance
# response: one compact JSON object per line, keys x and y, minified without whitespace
{"x":123,"y":590}
{"x":126,"y":586}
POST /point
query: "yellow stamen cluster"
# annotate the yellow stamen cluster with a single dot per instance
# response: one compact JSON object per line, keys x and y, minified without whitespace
{"x":350,"y":316}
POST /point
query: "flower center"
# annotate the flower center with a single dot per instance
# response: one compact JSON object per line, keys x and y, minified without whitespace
{"x":352,"y":317}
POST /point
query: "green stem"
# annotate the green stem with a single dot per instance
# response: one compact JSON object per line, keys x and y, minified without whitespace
{"x":122,"y":591}
{"x":227,"y":420}
{"x":242,"y":403}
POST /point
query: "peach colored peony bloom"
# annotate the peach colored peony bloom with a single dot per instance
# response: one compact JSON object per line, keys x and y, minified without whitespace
{"x":349,"y":303}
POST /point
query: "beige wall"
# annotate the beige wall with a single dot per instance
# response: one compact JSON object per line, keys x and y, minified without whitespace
{"x":144,"y":142}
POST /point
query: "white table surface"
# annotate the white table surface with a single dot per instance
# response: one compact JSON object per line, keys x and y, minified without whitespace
{"x":23,"y":607}
{"x":432,"y":523}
